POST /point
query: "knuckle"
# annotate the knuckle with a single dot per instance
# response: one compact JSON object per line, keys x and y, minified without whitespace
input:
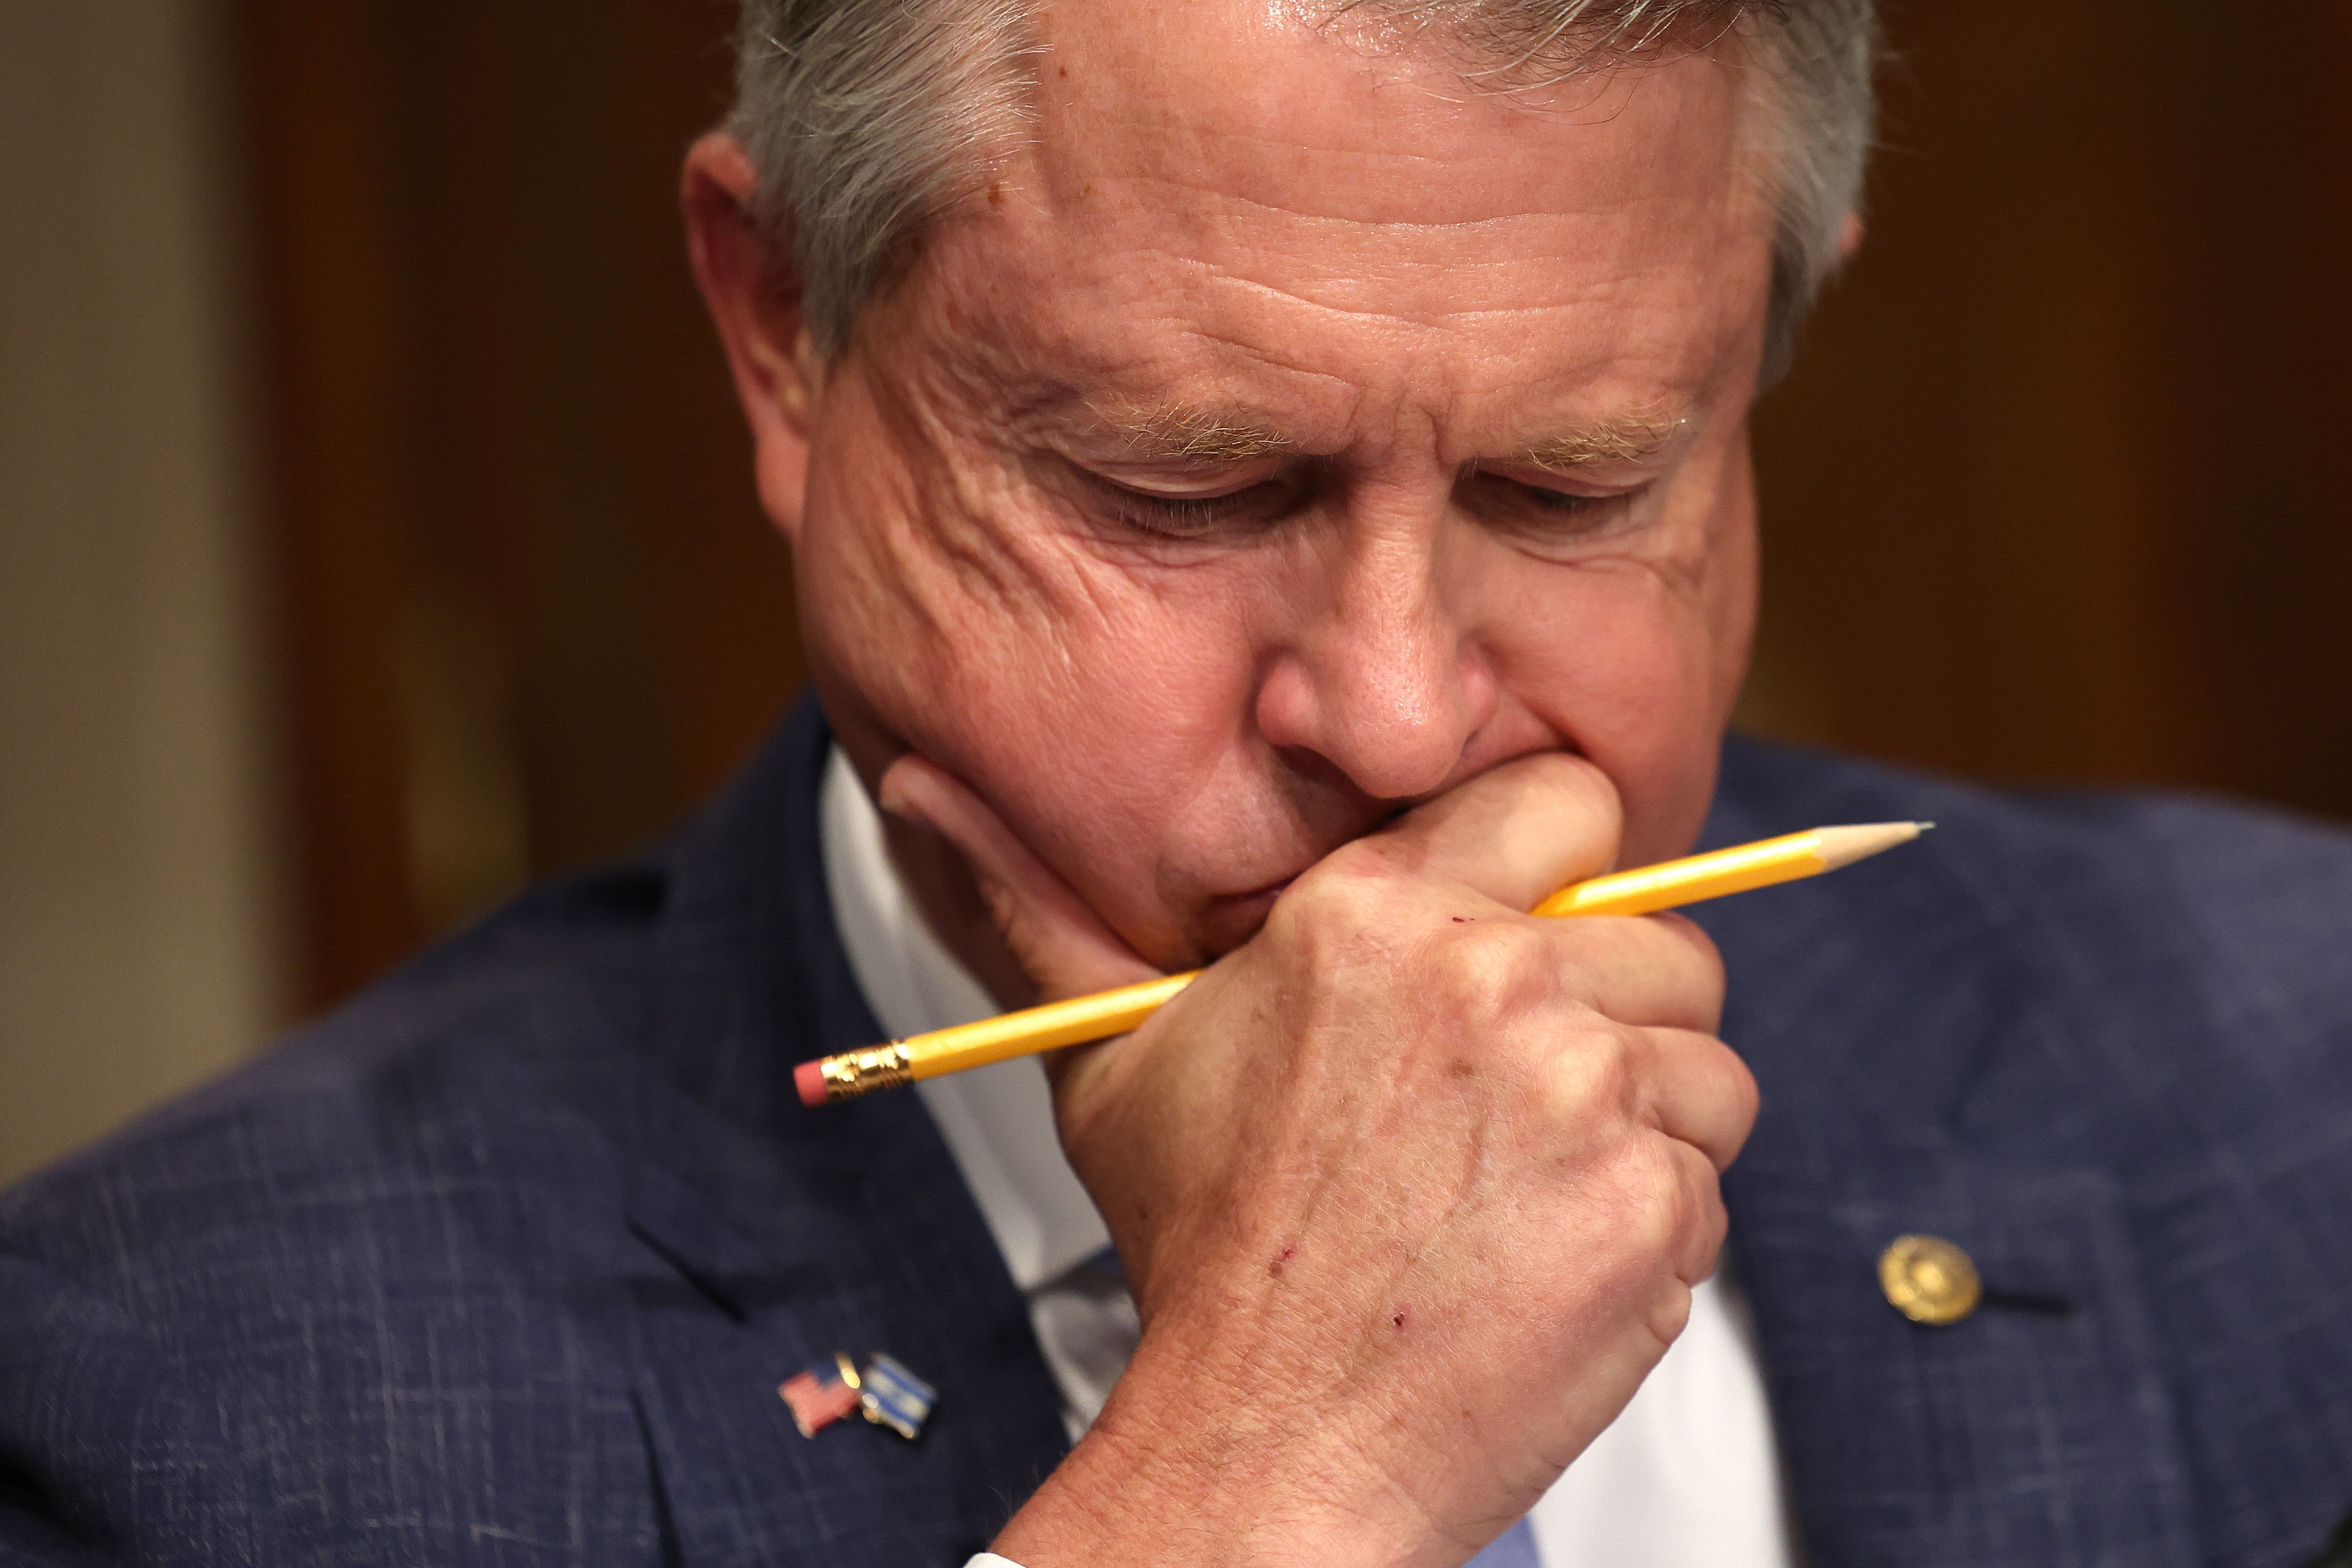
{"x":1678,"y":1209}
{"x":1666,"y":1224}
{"x":1669,"y":1211}
{"x":1491,"y":972}
{"x":1718,"y":1224}
{"x":1592,"y":1073}
{"x":1372,"y":858}
{"x":1333,"y":902}
{"x":1669,"y":1313}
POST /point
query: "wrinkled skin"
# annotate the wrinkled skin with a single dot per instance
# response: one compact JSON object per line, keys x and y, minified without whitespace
{"x":1302,"y":514}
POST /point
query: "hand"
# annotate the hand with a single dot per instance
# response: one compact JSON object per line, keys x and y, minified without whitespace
{"x":1412,"y":1188}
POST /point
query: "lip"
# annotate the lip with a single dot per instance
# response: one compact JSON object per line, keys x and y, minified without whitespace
{"x":1233,"y":918}
{"x":1229,"y":919}
{"x":1268,"y":893}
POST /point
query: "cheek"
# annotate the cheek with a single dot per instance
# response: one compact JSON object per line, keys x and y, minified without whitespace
{"x":1085,"y":699}
{"x":1632,"y":687}
{"x":1636,"y":664}
{"x":1103,"y":762}
{"x":1669,"y":644}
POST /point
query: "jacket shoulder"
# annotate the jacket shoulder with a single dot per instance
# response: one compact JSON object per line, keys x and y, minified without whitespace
{"x":357,"y":1279}
{"x":486,"y":1058}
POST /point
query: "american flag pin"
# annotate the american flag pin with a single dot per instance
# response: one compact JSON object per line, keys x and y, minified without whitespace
{"x":822,"y":1395}
{"x":894,"y":1397}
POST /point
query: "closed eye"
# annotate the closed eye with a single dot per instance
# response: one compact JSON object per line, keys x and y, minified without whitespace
{"x":1547,"y":514}
{"x":1190,"y":516}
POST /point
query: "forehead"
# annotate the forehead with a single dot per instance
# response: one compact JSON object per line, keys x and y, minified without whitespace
{"x":1222,"y":199}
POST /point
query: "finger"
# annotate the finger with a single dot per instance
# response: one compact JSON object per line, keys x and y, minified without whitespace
{"x":1647,"y":971}
{"x":1060,"y":943}
{"x":1700,"y":1093}
{"x":1517,"y":833}
{"x":1702,"y":1197}
{"x":1688,"y":1086}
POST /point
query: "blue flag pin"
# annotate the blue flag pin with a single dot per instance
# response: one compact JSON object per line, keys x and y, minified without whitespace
{"x":894,"y":1397}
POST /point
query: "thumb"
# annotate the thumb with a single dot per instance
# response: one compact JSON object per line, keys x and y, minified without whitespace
{"x":1058,"y":941}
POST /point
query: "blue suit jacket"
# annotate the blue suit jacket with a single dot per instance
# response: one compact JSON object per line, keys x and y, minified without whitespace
{"x":503,"y":1263}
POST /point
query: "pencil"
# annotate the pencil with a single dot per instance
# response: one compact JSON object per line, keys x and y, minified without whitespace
{"x":1665,"y":886}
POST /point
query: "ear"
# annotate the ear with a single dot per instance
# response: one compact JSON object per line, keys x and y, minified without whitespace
{"x":1849,"y":237}
{"x":752,"y":284}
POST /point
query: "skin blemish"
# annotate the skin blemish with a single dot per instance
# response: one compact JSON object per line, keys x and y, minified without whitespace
{"x":1289,"y":1250}
{"x":1462,"y":920}
{"x":1398,"y":1317}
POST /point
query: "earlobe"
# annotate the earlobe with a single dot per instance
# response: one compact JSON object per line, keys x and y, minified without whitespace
{"x":751,"y":283}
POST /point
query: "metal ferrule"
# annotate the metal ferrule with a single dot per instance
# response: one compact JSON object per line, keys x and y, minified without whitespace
{"x":854,"y":1073}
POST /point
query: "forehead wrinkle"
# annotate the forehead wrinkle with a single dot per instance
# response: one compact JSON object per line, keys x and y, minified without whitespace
{"x":1408,"y":317}
{"x":1217,"y":204}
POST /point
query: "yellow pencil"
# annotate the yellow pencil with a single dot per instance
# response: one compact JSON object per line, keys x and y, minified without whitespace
{"x":1647,"y":891}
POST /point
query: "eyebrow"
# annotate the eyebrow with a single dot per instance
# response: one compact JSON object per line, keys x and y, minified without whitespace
{"x":1184,"y":431}
{"x":1611,"y":441}
{"x":1191,"y":432}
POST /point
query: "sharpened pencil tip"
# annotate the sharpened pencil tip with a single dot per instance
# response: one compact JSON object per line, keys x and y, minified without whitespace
{"x":1844,"y":846}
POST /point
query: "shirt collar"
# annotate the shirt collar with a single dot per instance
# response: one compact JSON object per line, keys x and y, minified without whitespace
{"x":998,"y":1121}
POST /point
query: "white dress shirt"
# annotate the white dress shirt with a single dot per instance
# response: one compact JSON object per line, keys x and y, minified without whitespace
{"x":1687,"y":1476}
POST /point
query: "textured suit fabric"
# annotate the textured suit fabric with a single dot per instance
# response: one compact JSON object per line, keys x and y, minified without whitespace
{"x":2105,"y":1047}
{"x":503,"y":1263}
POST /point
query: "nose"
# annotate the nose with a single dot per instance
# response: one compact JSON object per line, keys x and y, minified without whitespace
{"x":1382,"y":685}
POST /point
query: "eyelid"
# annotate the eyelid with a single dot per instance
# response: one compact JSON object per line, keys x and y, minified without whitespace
{"x":1175,"y":482}
{"x":1590,"y":485}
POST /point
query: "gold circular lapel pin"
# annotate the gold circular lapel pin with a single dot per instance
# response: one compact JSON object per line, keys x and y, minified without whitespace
{"x":1928,"y":1281}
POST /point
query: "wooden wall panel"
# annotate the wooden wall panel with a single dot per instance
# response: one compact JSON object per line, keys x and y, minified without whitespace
{"x":337,"y":330}
{"x":532,"y":612}
{"x":2051,"y":495}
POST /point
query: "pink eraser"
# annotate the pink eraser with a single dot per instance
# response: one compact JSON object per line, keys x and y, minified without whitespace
{"x":809,"y":1078}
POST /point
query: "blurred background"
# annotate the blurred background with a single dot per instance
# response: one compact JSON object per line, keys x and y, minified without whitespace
{"x":376,"y":530}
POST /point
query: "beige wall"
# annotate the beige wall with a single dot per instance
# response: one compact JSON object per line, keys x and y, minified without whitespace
{"x":137,"y":947}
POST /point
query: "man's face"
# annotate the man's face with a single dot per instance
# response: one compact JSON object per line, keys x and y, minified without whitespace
{"x":1291,"y":435}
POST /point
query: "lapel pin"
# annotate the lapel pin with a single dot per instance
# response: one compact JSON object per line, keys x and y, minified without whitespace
{"x":894,"y":1397}
{"x":887,"y":1394}
{"x":1928,"y":1281}
{"x":822,"y":1395}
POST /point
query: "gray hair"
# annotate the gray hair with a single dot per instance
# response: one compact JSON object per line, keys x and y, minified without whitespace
{"x":866,"y":119}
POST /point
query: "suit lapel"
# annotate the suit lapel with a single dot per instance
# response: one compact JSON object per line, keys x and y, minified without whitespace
{"x":771,"y":1235}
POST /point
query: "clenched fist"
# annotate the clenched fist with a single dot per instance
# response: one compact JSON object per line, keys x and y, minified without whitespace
{"x":1412,"y":1188}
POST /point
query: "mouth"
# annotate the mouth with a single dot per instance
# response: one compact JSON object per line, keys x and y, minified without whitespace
{"x":1264,"y":893}
{"x":1268,"y":893}
{"x":1233,"y":918}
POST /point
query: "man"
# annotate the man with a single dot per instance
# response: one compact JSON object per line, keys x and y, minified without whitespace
{"x":1269,"y":486}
